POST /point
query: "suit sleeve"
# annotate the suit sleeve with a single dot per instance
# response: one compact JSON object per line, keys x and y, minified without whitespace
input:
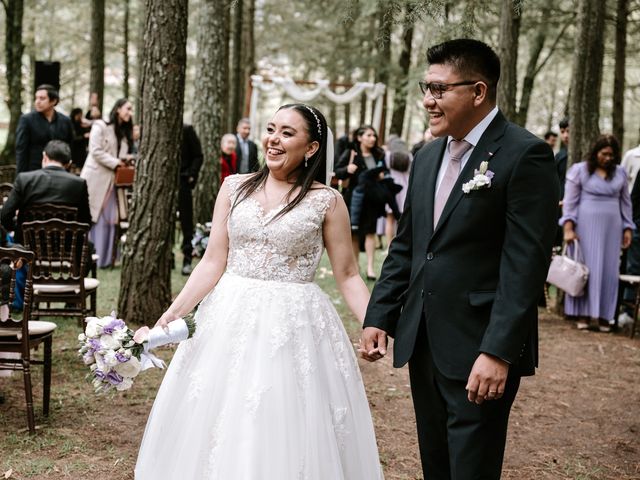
{"x":84,"y":213}
{"x":635,"y":200}
{"x":532,"y":200}
{"x":11,"y":206}
{"x":22,"y":145}
{"x":389,"y":293}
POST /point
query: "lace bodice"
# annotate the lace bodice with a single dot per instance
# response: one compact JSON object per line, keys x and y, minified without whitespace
{"x":287,"y":249}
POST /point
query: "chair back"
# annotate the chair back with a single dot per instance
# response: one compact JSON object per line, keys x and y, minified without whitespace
{"x":46,"y":211}
{"x":11,"y":260}
{"x":5,"y":190}
{"x":61,"y":250}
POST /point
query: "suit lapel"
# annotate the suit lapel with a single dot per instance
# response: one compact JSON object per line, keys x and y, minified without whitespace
{"x":486,"y":149}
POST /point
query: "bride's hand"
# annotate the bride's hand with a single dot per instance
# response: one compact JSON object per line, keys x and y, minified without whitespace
{"x":166,"y":318}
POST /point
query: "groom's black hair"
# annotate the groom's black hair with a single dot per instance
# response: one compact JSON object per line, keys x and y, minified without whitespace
{"x":471,"y":58}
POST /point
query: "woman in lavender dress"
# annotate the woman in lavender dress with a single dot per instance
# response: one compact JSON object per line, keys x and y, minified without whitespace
{"x":597,"y":212}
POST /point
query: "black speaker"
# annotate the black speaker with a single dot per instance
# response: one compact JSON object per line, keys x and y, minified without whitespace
{"x":47,"y":72}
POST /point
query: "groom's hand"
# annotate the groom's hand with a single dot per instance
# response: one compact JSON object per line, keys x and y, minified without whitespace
{"x":373,"y":344}
{"x":487,"y":379}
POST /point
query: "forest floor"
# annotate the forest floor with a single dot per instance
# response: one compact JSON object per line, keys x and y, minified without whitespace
{"x":578,"y":418}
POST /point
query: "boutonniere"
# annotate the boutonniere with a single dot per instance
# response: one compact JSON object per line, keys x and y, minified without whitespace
{"x":481,"y":178}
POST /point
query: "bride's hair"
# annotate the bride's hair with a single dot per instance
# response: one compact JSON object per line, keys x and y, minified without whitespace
{"x":304,"y":175}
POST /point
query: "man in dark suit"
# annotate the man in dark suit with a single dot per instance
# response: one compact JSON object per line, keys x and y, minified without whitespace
{"x":51,"y":184}
{"x":36,"y":128}
{"x":246,"y":150}
{"x":191,"y":161}
{"x":459,"y":288}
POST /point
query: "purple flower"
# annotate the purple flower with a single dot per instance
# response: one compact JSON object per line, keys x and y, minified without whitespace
{"x":112,"y":325}
{"x":489,"y":174}
{"x":94,"y":346}
{"x":121,"y":358}
{"x":113,"y":378}
{"x":99,"y":374}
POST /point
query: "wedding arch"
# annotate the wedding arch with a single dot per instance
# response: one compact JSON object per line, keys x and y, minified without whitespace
{"x":373,"y":91}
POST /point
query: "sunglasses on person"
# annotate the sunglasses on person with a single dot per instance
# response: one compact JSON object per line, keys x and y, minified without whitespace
{"x":438,"y":89}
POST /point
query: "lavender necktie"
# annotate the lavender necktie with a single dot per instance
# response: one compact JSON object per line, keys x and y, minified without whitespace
{"x":457,"y":149}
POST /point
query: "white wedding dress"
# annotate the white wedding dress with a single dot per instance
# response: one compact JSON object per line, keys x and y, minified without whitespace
{"x":269,"y":386}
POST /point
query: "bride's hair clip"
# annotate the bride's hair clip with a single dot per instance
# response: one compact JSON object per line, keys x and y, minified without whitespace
{"x":318,"y":124}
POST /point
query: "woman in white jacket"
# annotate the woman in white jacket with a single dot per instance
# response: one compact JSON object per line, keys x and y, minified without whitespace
{"x":109,"y":147}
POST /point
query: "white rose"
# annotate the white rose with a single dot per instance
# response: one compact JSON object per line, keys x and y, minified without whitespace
{"x":82,"y":337}
{"x":466,"y":187}
{"x":125,"y":384}
{"x":108,"y":342}
{"x":120,"y":333}
{"x":129,"y":369}
{"x":93,"y":329}
{"x":110,"y":358}
{"x":481,"y":181}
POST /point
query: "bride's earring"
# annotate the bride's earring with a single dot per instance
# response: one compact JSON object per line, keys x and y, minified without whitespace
{"x":306,"y":161}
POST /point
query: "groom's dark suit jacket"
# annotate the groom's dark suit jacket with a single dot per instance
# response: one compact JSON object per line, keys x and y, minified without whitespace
{"x":478,"y":274}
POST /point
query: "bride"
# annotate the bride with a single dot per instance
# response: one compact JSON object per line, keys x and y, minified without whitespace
{"x":269,"y":387}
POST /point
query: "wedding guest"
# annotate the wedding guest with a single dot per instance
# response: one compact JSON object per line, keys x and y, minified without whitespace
{"x":36,"y":128}
{"x":246,"y":150}
{"x":459,"y":287}
{"x":551,"y":138}
{"x":109,"y":147}
{"x":363,"y":155}
{"x":228,"y":156}
{"x":597,"y":212}
{"x":269,"y":386}
{"x":190,"y":163}
{"x":80,"y":140}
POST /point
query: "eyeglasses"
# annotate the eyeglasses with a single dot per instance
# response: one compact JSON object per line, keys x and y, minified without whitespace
{"x":437,"y":89}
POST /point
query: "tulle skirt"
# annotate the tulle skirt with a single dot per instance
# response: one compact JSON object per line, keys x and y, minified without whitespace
{"x":267,"y":389}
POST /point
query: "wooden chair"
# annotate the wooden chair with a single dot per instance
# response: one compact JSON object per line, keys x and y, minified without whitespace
{"x":633,"y":281}
{"x":61,"y":251}
{"x":18,"y":336}
{"x":124,"y":196}
{"x":47,"y":211}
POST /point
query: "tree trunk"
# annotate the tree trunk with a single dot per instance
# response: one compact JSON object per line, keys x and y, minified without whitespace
{"x":96,"y":80}
{"x":382,"y":74}
{"x":622,"y":12}
{"x":237,"y":70}
{"x":145,"y":286}
{"x":508,"y":52}
{"x":586,"y":80}
{"x":402,"y":83}
{"x":13,"y":48}
{"x":209,"y":115}
{"x":249,"y":46}
{"x":139,"y":62}
{"x":125,"y":51}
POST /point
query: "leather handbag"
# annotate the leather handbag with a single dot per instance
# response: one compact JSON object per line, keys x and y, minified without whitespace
{"x":124,"y":176}
{"x":569,"y":273}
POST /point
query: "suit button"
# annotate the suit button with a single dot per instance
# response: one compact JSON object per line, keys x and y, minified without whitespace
{"x":422,"y":293}
{"x":429,"y":293}
{"x":430,"y":256}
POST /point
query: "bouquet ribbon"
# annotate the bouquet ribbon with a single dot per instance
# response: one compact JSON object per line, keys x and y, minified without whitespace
{"x":176,"y":332}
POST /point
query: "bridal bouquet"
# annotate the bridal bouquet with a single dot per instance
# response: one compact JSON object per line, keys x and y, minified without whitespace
{"x":116,"y":354}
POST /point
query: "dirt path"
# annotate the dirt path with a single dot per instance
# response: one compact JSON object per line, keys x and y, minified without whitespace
{"x":578,"y":418}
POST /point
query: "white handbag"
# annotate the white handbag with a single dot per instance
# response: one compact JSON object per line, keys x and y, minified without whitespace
{"x":569,"y":273}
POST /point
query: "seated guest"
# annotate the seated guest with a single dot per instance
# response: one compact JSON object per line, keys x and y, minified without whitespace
{"x":228,"y":159}
{"x":51,"y":184}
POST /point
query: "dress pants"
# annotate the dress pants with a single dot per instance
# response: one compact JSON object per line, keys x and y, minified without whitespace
{"x":459,"y":440}
{"x":185,"y":209}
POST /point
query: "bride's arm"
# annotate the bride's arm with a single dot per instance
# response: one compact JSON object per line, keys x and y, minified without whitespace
{"x":337,"y":240}
{"x":206,"y":274}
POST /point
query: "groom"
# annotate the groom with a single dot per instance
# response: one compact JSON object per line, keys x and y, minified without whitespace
{"x":459,"y":288}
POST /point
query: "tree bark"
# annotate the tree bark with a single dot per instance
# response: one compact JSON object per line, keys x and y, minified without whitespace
{"x":622,"y":12}
{"x":249,"y":44}
{"x":96,"y":79}
{"x":586,"y":83}
{"x":13,"y":48}
{"x":402,"y":83}
{"x":382,"y":73}
{"x":237,"y":70}
{"x":508,"y":52}
{"x":145,"y":287}
{"x":139,"y":62}
{"x":125,"y":51}
{"x":209,"y":112}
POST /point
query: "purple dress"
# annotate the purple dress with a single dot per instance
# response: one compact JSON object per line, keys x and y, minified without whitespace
{"x":601,"y":211}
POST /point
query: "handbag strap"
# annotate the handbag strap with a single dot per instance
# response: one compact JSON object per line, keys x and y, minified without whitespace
{"x":577,"y":252}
